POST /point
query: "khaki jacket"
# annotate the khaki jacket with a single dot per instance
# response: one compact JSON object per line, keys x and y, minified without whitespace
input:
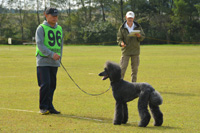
{"x":132,"y":42}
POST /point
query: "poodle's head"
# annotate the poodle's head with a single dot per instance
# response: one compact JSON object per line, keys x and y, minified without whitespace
{"x":112,"y":71}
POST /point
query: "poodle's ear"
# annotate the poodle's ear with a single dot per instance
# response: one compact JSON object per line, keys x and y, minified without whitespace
{"x":116,"y":74}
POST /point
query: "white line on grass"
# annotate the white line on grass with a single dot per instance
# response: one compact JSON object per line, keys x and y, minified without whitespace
{"x":18,"y":110}
{"x":8,"y":76}
{"x":85,"y":118}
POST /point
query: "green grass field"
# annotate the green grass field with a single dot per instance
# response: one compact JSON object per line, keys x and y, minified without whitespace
{"x":172,"y":70}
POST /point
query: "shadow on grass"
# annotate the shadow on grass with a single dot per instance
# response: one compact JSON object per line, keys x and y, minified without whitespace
{"x":86,"y":118}
{"x":109,"y":121}
{"x":166,"y":128}
{"x":149,"y":126}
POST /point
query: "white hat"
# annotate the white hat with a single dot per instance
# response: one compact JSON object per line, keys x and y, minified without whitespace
{"x":130,"y":14}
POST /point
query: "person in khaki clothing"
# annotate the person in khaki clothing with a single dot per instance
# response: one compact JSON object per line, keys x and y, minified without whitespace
{"x":130,"y":44}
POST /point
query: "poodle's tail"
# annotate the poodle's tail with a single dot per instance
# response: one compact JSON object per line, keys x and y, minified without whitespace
{"x":156,"y":98}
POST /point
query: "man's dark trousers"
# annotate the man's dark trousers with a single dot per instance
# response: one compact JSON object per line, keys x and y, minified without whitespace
{"x":46,"y":76}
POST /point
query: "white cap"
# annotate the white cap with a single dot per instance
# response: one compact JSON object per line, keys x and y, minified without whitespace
{"x":130,"y":14}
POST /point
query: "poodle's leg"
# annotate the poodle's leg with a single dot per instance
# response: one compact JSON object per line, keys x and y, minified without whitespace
{"x":157,"y":114}
{"x":125,"y":113}
{"x":143,"y":110}
{"x":118,"y":114}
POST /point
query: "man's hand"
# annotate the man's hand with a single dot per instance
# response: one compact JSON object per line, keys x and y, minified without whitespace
{"x":123,"y":45}
{"x":56,"y":56}
{"x":138,"y":34}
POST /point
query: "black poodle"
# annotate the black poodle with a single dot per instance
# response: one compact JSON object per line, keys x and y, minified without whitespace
{"x":124,"y":92}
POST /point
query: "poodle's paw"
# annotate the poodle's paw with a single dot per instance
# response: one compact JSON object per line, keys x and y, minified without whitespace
{"x":144,"y":122}
{"x":117,"y":123}
{"x":158,"y":122}
{"x":124,"y":121}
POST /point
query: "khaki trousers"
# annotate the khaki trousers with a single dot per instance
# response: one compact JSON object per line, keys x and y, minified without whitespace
{"x":134,"y":66}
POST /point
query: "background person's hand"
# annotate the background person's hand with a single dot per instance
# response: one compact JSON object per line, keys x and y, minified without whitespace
{"x":56,"y":56}
{"x":122,"y":44}
{"x":138,"y":34}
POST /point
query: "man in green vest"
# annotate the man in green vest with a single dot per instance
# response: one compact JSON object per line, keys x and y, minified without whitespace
{"x":49,"y":45}
{"x":129,"y":41}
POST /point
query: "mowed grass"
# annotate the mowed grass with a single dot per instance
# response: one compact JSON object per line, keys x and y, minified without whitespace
{"x":172,"y":70}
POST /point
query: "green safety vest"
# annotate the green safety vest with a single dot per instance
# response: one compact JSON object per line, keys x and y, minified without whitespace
{"x":52,"y":39}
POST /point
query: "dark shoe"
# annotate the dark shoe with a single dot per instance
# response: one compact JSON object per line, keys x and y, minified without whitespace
{"x":53,"y":111}
{"x":44,"y":111}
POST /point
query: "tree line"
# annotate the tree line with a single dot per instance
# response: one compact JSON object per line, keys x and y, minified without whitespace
{"x":97,"y":21}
